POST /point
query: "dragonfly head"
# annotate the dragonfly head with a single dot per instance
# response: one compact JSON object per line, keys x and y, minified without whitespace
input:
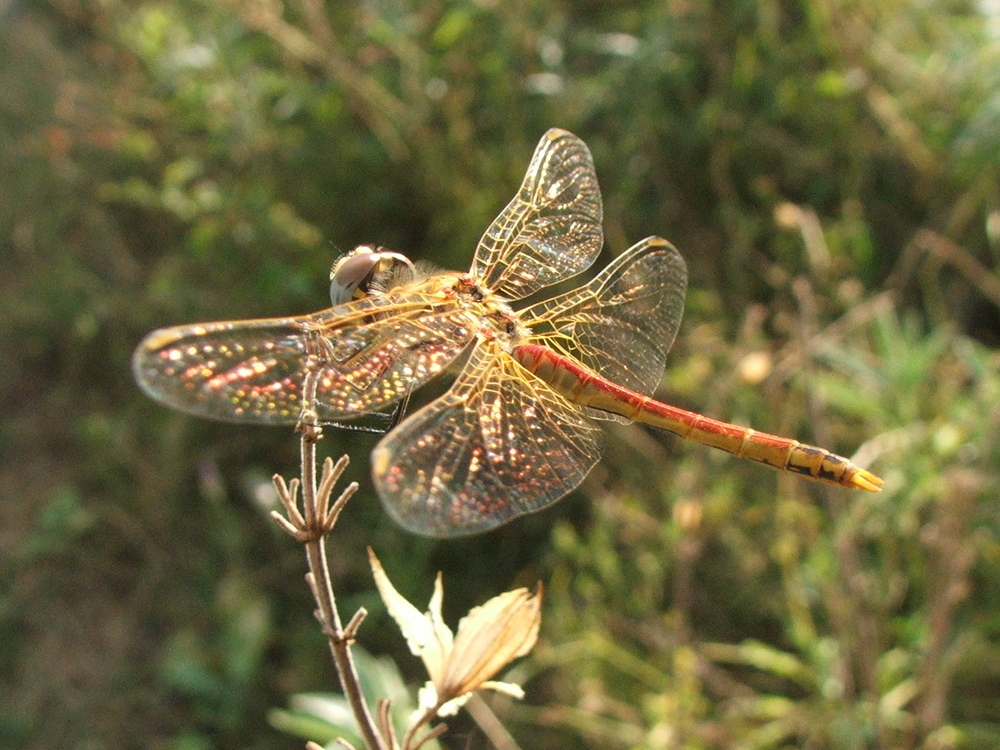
{"x":365,"y":270}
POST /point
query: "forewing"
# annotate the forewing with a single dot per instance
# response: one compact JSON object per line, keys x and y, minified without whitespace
{"x":367,"y":356}
{"x":622,"y":324}
{"x":498,"y":444}
{"x":552,"y":228}
{"x":373,"y":366}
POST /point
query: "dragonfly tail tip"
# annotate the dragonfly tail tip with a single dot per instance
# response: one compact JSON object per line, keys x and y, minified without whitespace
{"x":865,"y":480}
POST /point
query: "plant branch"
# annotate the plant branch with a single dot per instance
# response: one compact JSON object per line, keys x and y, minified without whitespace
{"x":424,"y":718}
{"x":310,"y":527}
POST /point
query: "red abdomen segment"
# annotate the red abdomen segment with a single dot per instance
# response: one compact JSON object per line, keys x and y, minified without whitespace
{"x":583,"y":387}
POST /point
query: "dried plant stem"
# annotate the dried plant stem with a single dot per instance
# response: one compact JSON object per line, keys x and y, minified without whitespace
{"x":490,"y":725}
{"x":424,"y":719}
{"x":310,"y":527}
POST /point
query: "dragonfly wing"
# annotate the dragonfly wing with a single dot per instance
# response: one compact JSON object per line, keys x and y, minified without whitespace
{"x":372,"y":367}
{"x":551,"y":230}
{"x":497,"y":445}
{"x":242,"y":371}
{"x":367,"y":356}
{"x":622,"y":324}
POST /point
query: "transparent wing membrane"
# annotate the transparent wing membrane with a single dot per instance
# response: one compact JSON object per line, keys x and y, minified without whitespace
{"x":368,"y":355}
{"x":246,"y":371}
{"x":498,"y":444}
{"x":552,"y":229}
{"x":623,"y":323}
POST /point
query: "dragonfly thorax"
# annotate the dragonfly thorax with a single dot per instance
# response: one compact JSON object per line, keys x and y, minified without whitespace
{"x":496,"y":319}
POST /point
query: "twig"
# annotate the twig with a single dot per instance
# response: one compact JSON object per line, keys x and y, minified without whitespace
{"x":425,"y":718}
{"x":490,"y":725}
{"x":310,"y":527}
{"x":431,"y":735}
{"x":384,"y":709}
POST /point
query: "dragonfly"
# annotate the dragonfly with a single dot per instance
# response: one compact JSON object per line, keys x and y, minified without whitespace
{"x":518,"y":427}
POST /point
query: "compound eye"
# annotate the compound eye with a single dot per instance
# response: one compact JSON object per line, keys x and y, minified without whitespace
{"x":351,"y":274}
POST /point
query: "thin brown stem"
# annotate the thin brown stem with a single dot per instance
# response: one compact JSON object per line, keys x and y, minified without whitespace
{"x":431,"y":735}
{"x":311,"y":527}
{"x":385,"y":722}
{"x":490,"y":725}
{"x":425,"y":718}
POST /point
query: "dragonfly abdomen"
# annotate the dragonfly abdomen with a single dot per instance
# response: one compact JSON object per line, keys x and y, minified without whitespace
{"x":586,"y":388}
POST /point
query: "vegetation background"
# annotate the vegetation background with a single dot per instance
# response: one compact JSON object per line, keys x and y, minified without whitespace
{"x":829,"y":169}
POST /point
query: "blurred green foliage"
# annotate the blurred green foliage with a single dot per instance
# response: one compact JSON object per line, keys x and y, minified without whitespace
{"x":830,"y":171}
